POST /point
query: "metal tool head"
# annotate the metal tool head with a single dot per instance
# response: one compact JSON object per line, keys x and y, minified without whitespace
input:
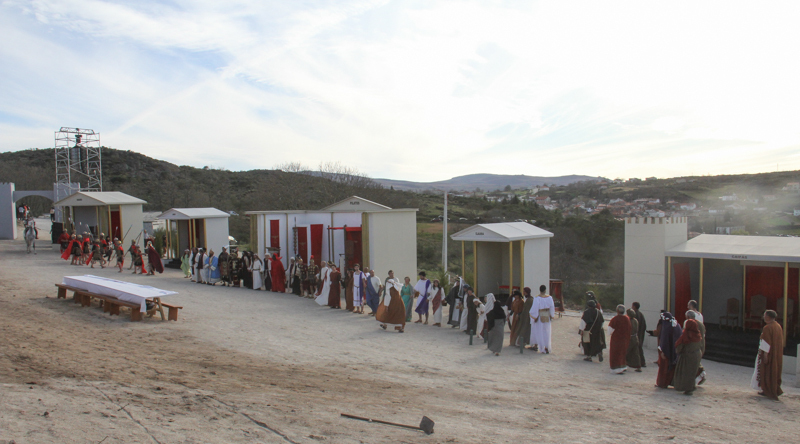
{"x":426,"y":425}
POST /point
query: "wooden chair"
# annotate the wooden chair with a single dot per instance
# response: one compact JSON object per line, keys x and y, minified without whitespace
{"x":758,"y":305}
{"x":731,"y":314}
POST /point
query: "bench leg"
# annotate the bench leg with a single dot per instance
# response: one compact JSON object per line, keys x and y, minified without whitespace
{"x":86,"y":300}
{"x":76,"y":297}
{"x":113,"y":309}
{"x":173,"y":314}
{"x":136,"y":315}
{"x":62,"y":293}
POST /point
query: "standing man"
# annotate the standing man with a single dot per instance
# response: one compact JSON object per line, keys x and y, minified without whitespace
{"x":335,"y":292}
{"x":422,"y":291}
{"x":374,"y":290}
{"x":542,"y":311}
{"x":641,"y":332}
{"x":455,"y":299}
{"x":619,"y":330}
{"x":692,"y":305}
{"x":391,"y":310}
{"x":224,"y":268}
{"x":199,"y":260}
{"x":437,"y":296}
{"x":359,"y":284}
{"x":769,"y":364}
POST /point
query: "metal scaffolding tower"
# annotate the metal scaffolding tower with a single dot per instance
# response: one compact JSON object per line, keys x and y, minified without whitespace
{"x":78,"y":162}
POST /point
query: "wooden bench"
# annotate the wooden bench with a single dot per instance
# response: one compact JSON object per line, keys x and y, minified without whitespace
{"x":110,"y":304}
{"x":173,"y":311}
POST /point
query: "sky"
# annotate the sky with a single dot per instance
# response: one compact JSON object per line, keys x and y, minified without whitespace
{"x":413,"y":90}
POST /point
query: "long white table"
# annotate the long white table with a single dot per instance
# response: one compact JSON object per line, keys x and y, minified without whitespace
{"x":124,"y":291}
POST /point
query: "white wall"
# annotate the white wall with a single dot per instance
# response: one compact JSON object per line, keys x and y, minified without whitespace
{"x":8,"y":211}
{"x":393,"y":243}
{"x":537,"y":264}
{"x":131,"y":216}
{"x":646,"y":240}
{"x":217,"y":234}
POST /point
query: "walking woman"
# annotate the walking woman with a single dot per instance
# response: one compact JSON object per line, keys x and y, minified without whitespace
{"x":496,"y":320}
{"x":670,"y":331}
{"x":407,"y":293}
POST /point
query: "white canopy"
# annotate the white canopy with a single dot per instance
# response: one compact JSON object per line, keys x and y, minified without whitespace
{"x":501,"y":232}
{"x":752,"y":248}
{"x":192,"y":213}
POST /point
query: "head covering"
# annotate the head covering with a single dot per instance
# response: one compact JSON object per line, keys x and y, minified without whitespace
{"x":495,"y":314}
{"x":490,"y":302}
{"x":527,"y":291}
{"x":592,"y":314}
{"x":690,"y":334}
{"x":670,"y":332}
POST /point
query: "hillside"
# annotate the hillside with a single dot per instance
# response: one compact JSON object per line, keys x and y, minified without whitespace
{"x":486,"y":182}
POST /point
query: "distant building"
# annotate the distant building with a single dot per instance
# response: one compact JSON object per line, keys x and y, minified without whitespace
{"x":729,"y":229}
{"x":792,"y":187}
{"x":729,"y":198}
{"x":797,"y":212}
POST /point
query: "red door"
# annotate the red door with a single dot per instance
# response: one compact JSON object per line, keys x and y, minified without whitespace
{"x":116,"y":229}
{"x":352,"y":247}
{"x":683,"y":290}
{"x":274,"y":234}
{"x":316,"y":242}
{"x":302,"y":243}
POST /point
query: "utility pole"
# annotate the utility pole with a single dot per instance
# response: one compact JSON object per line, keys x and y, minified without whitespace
{"x":444,"y":235}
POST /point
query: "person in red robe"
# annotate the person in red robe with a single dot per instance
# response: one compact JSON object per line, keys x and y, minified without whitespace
{"x":64,"y":241}
{"x":68,"y":251}
{"x":335,"y":295}
{"x":278,"y":274}
{"x":769,"y":363}
{"x":619,"y":330}
{"x":153,"y":260}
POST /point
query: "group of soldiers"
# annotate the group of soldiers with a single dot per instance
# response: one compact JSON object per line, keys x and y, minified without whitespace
{"x":85,"y":249}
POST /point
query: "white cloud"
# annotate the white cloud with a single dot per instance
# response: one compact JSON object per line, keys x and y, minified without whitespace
{"x":413,"y":91}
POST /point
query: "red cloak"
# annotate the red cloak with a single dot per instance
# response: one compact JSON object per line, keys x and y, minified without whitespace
{"x":278,"y":276}
{"x":155,"y":259}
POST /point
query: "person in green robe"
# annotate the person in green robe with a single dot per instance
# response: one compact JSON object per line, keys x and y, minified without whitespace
{"x":689,"y":349}
{"x":407,"y":293}
{"x":186,"y":263}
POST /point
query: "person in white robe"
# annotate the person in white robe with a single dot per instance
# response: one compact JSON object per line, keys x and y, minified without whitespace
{"x":422,"y":290}
{"x":257,"y":268}
{"x":542,"y":311}
{"x":359,"y":281}
{"x":436,"y":299}
{"x":481,"y":316}
{"x":464,"y":322}
{"x":324,"y":287}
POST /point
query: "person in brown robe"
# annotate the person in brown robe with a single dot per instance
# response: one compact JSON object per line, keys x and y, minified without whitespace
{"x":472,"y":313}
{"x":334,"y":297}
{"x":515,"y":305}
{"x":642,"y":331}
{"x":689,"y":352}
{"x":769,"y":363}
{"x":348,"y":290}
{"x":391,"y":309}
{"x":632,"y":356}
{"x":524,"y":329}
{"x":619,"y":331}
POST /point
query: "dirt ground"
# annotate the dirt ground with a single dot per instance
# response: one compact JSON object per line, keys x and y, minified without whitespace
{"x":248,"y":366}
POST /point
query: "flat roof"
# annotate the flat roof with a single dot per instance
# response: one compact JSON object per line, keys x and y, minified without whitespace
{"x":734,"y":247}
{"x":501,"y":232}
{"x":192,"y":213}
{"x":393,"y":210}
{"x":97,"y":198}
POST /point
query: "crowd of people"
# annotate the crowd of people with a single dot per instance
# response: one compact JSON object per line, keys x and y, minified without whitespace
{"x":87,"y":250}
{"x":393,"y":304}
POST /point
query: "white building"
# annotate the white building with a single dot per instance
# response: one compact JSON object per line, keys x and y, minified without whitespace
{"x":197,"y":227}
{"x":506,"y":255}
{"x":724,"y":274}
{"x":352,"y":231}
{"x":111,"y":212}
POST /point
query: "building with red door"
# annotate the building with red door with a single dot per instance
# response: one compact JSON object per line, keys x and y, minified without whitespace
{"x":352,"y":231}
{"x":733,"y":278}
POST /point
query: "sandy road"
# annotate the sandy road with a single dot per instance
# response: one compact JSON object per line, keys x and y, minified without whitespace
{"x":248,"y":366}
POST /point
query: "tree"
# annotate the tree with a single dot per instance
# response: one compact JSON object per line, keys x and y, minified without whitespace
{"x":507,"y":188}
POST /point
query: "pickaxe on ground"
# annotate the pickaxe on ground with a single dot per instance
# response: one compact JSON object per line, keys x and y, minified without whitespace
{"x":426,"y":425}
